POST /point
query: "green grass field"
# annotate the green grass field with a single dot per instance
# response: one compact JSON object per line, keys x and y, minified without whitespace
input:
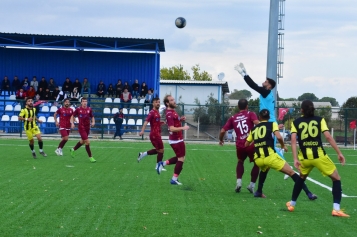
{"x":62,"y":196}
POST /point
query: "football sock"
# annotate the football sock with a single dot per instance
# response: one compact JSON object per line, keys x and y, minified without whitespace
{"x":88,"y":151}
{"x":178,"y":168}
{"x":336,"y":193}
{"x":32,"y":147}
{"x":150,"y":152}
{"x":239,"y":181}
{"x":40,"y":144}
{"x":62,"y":143}
{"x":252,"y":185}
{"x":262,"y":177}
{"x":336,"y":206}
{"x":240,"y":169}
{"x":171,"y":161}
{"x":78,"y":145}
{"x":299,"y":182}
{"x":175,"y":177}
{"x":159,"y":157}
{"x":254,"y":173}
{"x":295,"y":177}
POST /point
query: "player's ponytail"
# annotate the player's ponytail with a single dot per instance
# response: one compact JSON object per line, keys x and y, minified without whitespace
{"x":308,"y":108}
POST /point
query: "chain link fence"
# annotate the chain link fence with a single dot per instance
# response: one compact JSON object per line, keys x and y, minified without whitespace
{"x":205,"y":121}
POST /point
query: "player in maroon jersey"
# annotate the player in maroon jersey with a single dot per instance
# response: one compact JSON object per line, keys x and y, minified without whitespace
{"x":86,"y":120}
{"x":242,"y":122}
{"x":64,"y":124}
{"x":155,"y":134}
{"x":173,"y":121}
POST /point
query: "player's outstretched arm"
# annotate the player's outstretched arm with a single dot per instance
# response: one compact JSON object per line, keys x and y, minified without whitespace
{"x":72,"y":121}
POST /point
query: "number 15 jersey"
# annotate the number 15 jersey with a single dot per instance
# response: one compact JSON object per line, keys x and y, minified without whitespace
{"x":242,"y":123}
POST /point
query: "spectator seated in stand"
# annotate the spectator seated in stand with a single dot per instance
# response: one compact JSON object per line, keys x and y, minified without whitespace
{"x":135,"y":89}
{"x":34,"y":83}
{"x":47,"y":95}
{"x":43,"y":84}
{"x":61,"y":96}
{"x":78,"y":85}
{"x":111,"y":90}
{"x":16,"y":85}
{"x":67,"y":86}
{"x":21,"y":94}
{"x":40,"y":93}
{"x":5,"y":85}
{"x":101,"y":89}
{"x":126,"y":98}
{"x":25,"y":84}
{"x":52,"y":85}
{"x":144,"y":90}
{"x":118,"y":89}
{"x":31,"y":93}
{"x":55,"y":94}
{"x":85,"y":87}
{"x":75,"y":95}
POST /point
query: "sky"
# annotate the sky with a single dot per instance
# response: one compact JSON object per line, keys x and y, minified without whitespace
{"x":320,"y":36}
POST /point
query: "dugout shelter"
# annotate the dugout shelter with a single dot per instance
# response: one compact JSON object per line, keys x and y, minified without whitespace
{"x":95,"y":58}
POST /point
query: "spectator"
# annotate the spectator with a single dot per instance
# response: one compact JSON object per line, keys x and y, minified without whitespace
{"x":52,"y":85}
{"x":126,"y":86}
{"x":118,"y":89}
{"x":34,"y":83}
{"x":40,"y":93}
{"x":47,"y":94}
{"x":21,"y":94}
{"x":101,"y":89}
{"x":55,"y":94}
{"x":16,"y":85}
{"x":61,"y":96}
{"x":85,"y":87}
{"x":5,"y":85}
{"x":43,"y":84}
{"x":118,"y":120}
{"x":149,"y":97}
{"x":31,"y":93}
{"x":126,"y":97}
{"x":75,"y":95}
{"x":111,"y":90}
{"x":78,"y":85}
{"x":67,"y":86}
{"x":135,"y":89}
{"x":144,"y":90}
{"x":25,"y":84}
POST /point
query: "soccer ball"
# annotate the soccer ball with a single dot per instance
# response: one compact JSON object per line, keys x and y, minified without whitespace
{"x":180,"y":22}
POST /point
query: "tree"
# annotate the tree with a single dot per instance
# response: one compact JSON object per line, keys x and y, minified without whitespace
{"x":178,"y":73}
{"x":174,"y":73}
{"x":349,"y":109}
{"x":200,"y":76}
{"x":212,"y":113}
{"x":289,"y":99}
{"x":332,"y":100}
{"x":240,"y":94}
{"x":308,"y":96}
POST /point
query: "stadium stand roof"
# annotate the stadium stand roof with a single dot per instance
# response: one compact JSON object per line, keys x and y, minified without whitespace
{"x":80,"y":42}
{"x":225,"y":88}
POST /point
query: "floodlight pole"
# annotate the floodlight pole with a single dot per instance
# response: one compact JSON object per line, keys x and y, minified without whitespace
{"x":272,"y":57}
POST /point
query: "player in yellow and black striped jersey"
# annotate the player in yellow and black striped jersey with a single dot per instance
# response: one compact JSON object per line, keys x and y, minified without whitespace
{"x":28,"y":115}
{"x":265,"y":155}
{"x":307,"y":131}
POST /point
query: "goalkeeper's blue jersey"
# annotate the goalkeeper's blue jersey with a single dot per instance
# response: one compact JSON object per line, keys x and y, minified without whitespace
{"x":269,"y":104}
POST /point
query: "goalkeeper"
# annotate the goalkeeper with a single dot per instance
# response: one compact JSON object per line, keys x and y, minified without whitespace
{"x":266,"y":101}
